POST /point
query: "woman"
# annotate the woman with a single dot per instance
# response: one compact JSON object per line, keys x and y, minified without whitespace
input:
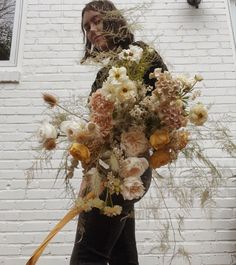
{"x":109,"y":240}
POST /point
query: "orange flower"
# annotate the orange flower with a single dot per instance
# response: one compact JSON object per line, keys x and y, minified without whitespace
{"x":80,"y":152}
{"x":159,"y":139}
{"x":160,"y":158}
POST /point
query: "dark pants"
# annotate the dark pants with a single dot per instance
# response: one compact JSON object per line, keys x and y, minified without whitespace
{"x":108,"y":239}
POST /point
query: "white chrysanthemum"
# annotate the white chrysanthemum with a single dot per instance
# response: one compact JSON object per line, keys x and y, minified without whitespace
{"x":134,"y":53}
{"x":120,"y":92}
{"x":126,"y":91}
{"x":109,"y":90}
{"x":117,"y":75}
{"x":72,"y":128}
{"x":198,"y":114}
{"x":46,"y":131}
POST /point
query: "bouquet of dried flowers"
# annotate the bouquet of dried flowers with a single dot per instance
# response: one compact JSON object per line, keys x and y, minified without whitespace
{"x":127,"y":128}
{"x":131,"y":127}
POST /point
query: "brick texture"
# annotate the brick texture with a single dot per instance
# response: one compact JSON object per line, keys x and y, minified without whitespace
{"x":190,"y":41}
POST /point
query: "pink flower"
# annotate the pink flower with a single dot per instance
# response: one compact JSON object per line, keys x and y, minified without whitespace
{"x":134,"y":142}
{"x":133,"y":167}
{"x":100,"y":105}
{"x":132,"y":188}
{"x":105,"y":123}
{"x":172,"y":116}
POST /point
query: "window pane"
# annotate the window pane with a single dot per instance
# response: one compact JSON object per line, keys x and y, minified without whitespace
{"x":7,"y":12}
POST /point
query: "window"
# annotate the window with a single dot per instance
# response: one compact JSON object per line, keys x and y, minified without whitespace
{"x":10,"y":21}
{"x":233,"y":18}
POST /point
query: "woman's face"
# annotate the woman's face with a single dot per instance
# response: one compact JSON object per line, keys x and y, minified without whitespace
{"x":93,"y":26}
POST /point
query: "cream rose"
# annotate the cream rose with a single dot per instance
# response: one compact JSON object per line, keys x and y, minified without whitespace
{"x":46,"y":131}
{"x":133,"y":167}
{"x":132,"y":188}
{"x":198,"y":114}
{"x":84,"y":205}
{"x":71,"y":128}
{"x":134,"y":142}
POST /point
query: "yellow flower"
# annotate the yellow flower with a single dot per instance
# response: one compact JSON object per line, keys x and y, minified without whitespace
{"x":112,"y":211}
{"x":83,"y":205}
{"x":97,"y":203}
{"x":159,"y":139}
{"x":160,"y":158}
{"x":80,"y":152}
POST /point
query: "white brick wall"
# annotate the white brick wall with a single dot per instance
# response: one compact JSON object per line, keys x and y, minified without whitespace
{"x":190,"y":40}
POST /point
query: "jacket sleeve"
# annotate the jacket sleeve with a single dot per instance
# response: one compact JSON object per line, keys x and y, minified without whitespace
{"x":100,"y":78}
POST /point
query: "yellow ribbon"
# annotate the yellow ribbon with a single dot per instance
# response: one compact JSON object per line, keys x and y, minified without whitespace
{"x":69,"y":216}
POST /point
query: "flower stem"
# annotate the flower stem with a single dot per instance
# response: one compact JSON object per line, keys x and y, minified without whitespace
{"x":79,"y":116}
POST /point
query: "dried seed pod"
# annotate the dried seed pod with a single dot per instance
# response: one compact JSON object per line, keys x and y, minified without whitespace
{"x":50,"y":99}
{"x":49,"y":144}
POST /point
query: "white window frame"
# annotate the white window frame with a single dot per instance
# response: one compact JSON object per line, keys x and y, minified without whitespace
{"x":12,"y":62}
